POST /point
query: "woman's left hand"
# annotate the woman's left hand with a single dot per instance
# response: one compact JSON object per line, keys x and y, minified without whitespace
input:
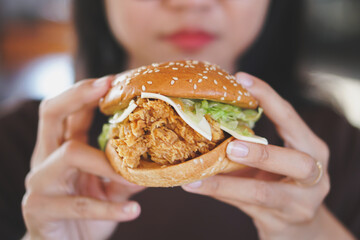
{"x":284,"y":190}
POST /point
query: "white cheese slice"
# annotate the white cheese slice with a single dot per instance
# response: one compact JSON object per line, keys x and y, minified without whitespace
{"x":202,"y":127}
{"x":253,"y":139}
{"x":125,"y":114}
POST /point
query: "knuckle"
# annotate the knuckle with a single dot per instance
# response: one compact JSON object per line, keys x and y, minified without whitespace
{"x":29,"y":205}
{"x":310,"y":168}
{"x":29,"y":180}
{"x":262,"y":193}
{"x":44,"y":108}
{"x":80,"y":84}
{"x":307,"y":214}
{"x":81,"y":207}
{"x":263,"y":154}
{"x":68,"y":149}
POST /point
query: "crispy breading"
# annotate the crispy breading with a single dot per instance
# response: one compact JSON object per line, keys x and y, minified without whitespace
{"x":154,"y":131}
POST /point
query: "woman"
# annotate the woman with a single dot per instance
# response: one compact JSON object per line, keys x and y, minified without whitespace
{"x":66,"y":195}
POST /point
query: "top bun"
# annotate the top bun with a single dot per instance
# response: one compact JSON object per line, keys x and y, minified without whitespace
{"x":181,"y":79}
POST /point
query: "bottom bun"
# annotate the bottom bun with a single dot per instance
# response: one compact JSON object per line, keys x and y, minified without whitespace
{"x":151,"y":174}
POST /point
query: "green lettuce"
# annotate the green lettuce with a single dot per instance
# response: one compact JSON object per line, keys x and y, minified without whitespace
{"x":230,"y":116}
{"x":104,"y":136}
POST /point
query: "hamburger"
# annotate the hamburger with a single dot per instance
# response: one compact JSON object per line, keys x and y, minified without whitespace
{"x":171,"y":122}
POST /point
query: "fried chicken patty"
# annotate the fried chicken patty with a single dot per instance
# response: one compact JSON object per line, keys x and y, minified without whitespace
{"x":155,"y":132}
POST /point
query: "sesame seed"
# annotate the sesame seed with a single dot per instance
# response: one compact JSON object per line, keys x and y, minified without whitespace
{"x":167,"y":66}
{"x":181,"y":64}
{"x":220,"y":73}
{"x":215,"y":82}
{"x":195,"y":86}
{"x":190,"y":80}
{"x":220,"y":159}
{"x":149,"y":82}
{"x":225,"y":93}
{"x":224,"y":88}
{"x":171,"y":63}
{"x":200,"y":74}
{"x":222,"y":98}
{"x":240,"y":92}
{"x":233,"y":101}
{"x":205,"y":71}
{"x":205,"y":77}
{"x":203,"y":174}
{"x":150,"y":71}
{"x":172,"y":82}
{"x":175,"y":68}
{"x":235,"y":85}
{"x":195,"y":62}
{"x":247,"y":94}
{"x":127,"y":81}
{"x":196,"y":161}
{"x":136,"y":74}
{"x":251,"y":103}
{"x":201,"y":160}
{"x":143,"y":88}
{"x":156,"y":70}
{"x":177,"y":63}
{"x":175,"y":78}
{"x":155,"y":64}
{"x":232,"y":81}
{"x":239,"y":98}
{"x":186,"y":66}
{"x":192,"y":66}
{"x":200,"y":80}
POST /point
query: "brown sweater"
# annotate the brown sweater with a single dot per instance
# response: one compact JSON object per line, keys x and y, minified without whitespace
{"x":172,"y":213}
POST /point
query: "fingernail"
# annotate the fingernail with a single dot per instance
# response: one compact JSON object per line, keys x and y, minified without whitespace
{"x":131,"y":208}
{"x":194,"y":185}
{"x":101,"y":82}
{"x":237,"y":149}
{"x":245,"y":80}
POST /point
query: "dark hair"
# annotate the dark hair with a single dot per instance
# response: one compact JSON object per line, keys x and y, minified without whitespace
{"x":273,"y":57}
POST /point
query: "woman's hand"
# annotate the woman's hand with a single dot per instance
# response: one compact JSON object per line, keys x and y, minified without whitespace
{"x":71,"y":191}
{"x":284,"y":190}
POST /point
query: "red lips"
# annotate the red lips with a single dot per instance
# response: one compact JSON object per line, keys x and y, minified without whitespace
{"x":190,"y":40}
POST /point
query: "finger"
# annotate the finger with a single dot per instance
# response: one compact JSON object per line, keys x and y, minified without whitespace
{"x":251,"y":191}
{"x":117,"y":192}
{"x":78,"y":124}
{"x":288,"y":123}
{"x":275,"y":159}
{"x":93,"y":187}
{"x":53,"y":111}
{"x":68,"y":207}
{"x":65,"y":163}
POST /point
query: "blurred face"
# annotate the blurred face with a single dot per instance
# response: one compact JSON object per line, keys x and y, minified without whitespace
{"x":218,"y":31}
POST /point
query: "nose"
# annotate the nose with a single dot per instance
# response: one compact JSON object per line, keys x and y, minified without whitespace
{"x":189,"y":4}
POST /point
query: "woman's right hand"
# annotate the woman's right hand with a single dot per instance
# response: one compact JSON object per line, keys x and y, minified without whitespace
{"x":71,"y":191}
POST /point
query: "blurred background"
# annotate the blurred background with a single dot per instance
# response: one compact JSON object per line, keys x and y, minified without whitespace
{"x":36,"y":46}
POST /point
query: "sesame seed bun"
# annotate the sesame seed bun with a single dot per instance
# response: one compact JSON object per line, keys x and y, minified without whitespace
{"x":180,"y":79}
